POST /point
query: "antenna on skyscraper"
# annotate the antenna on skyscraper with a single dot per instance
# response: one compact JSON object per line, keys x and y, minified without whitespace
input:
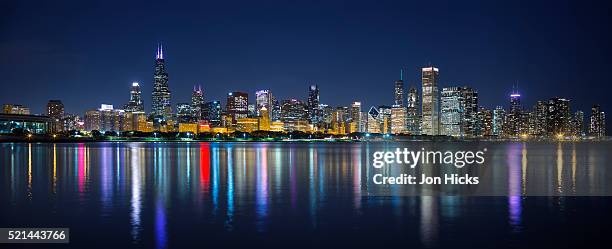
{"x":157,"y":52}
{"x":161,"y":51}
{"x":402,"y":74}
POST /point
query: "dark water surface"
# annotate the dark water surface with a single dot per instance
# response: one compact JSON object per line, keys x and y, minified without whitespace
{"x":292,"y":195}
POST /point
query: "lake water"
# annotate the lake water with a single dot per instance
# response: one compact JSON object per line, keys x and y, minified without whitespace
{"x":195,"y":195}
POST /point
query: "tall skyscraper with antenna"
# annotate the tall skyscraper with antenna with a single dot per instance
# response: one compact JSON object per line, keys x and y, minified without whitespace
{"x":197,"y":101}
{"x":160,"y":104}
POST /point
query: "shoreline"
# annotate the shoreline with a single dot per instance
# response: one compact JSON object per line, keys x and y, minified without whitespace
{"x":437,"y":139}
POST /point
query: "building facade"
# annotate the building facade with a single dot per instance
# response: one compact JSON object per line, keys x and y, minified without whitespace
{"x":431,"y":104}
{"x":160,"y":104}
{"x":237,"y":105}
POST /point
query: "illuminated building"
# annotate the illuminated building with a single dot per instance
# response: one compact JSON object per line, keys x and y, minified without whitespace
{"x":538,"y":119}
{"x":109,"y":118}
{"x":578,"y":124}
{"x":430,"y":106}
{"x":184,"y":113}
{"x":188,"y":127}
{"x":357,"y":117}
{"x":484,"y":122}
{"x":413,"y":116}
{"x":264,"y":119}
{"x":558,"y":117}
{"x":55,"y":110}
{"x":374,"y":124}
{"x":513,"y":126}
{"x":398,"y":92}
{"x":339,"y":128}
{"x":197,"y":102}
{"x":219,"y":130}
{"x":296,"y":125}
{"x":451,"y":112}
{"x":326,"y":114}
{"x":211,"y":112}
{"x":237,"y":105}
{"x":398,"y":120}
{"x":252,"y":113}
{"x":71,"y":122}
{"x":276,"y":109}
{"x":338,"y":120}
{"x":140,"y":118}
{"x":204,"y":127}
{"x":277,"y":126}
{"x":353,"y":126}
{"x":92,"y":120}
{"x":385,"y":118}
{"x":150,"y":127}
{"x":264,"y":98}
{"x":15,"y":109}
{"x":597,"y":128}
{"x":170,"y":126}
{"x":29,"y":123}
{"x":293,"y":110}
{"x":247,"y":124}
{"x":499,"y":118}
{"x":135,"y":104}
{"x":160,"y":104}
{"x":312,"y":105}
{"x":469,"y":100}
{"x":126,"y":121}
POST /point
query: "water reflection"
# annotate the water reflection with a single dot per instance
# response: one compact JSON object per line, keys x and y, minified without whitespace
{"x":162,"y":187}
{"x":136,"y":198}
{"x":559,"y":168}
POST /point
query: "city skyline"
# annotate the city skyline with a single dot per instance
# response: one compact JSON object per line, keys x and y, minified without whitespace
{"x":451,"y":111}
{"x":516,"y":46}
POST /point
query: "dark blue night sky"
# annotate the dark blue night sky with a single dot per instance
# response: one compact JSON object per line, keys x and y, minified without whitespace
{"x":89,"y":53}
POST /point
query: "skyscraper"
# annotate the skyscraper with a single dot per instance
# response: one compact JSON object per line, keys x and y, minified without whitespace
{"x":398,"y":120}
{"x":314,"y":114}
{"x":135,"y":104}
{"x":293,"y":110}
{"x":499,"y":118}
{"x":276,"y":109}
{"x":211,"y":112}
{"x":558,"y":117}
{"x":356,"y":116}
{"x":470,"y":111}
{"x":374,"y":124}
{"x":160,"y":104}
{"x":514,"y":118}
{"x":578,"y":123}
{"x":92,"y":120}
{"x":452,"y":112}
{"x":431,"y":103}
{"x":55,"y":110}
{"x":399,"y":90}
{"x":484,"y":123}
{"x":597,"y":127}
{"x":540,"y":111}
{"x":15,"y":109}
{"x":264,"y":119}
{"x":264,"y":98}
{"x":197,"y":101}
{"x":237,"y":105}
{"x":184,"y":113}
{"x":413,"y":116}
{"x":385,"y":118}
